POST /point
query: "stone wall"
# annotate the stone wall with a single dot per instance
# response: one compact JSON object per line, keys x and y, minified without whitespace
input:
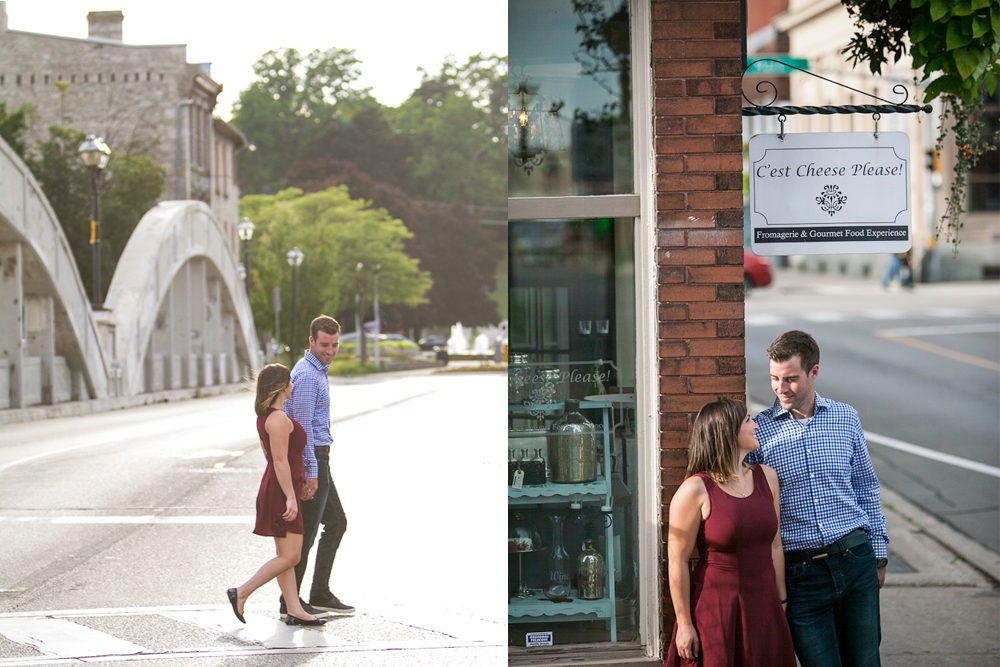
{"x":128,"y":94}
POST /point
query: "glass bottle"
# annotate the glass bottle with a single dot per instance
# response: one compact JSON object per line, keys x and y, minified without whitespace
{"x":590,"y":572}
{"x":573,"y":447}
{"x":559,"y":563}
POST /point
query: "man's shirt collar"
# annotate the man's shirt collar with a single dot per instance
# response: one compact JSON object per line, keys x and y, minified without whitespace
{"x":781,"y":413}
{"x":312,"y":359}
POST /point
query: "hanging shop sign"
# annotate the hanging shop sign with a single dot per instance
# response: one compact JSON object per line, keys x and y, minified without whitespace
{"x":830,"y":193}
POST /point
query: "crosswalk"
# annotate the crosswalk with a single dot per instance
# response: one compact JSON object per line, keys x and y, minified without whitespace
{"x":31,"y":639}
{"x":870,"y":314}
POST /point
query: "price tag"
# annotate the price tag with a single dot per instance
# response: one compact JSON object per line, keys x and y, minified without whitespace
{"x":518,"y":479}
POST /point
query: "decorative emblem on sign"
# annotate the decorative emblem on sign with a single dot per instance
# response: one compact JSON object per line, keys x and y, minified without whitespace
{"x":832,"y":199}
{"x":540,"y":398}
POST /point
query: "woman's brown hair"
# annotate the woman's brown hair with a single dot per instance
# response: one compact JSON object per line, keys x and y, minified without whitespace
{"x":715,"y":439}
{"x":271,"y":381}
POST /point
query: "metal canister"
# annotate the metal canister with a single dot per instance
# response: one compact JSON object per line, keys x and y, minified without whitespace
{"x":573,"y":447}
{"x":590,"y":572}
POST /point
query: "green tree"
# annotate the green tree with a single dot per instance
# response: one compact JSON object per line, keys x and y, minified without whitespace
{"x":14,"y":125}
{"x":448,"y":240}
{"x":456,"y":120}
{"x":280,"y":111}
{"x":130,"y":186}
{"x":336,"y":233}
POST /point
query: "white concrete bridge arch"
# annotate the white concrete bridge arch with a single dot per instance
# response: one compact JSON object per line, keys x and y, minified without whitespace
{"x":181,"y":316}
{"x":176,"y":314}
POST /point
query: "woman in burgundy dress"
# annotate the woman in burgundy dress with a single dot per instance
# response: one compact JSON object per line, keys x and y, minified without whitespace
{"x":279,"y":509}
{"x":730,"y":608}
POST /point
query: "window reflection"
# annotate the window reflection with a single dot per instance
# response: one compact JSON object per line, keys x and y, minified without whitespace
{"x":569,"y":126}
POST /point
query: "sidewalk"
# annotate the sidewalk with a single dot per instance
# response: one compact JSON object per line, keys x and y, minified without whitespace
{"x":943,"y":610}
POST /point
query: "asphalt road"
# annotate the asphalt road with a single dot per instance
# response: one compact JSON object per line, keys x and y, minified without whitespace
{"x":120,"y":531}
{"x":922,"y":368}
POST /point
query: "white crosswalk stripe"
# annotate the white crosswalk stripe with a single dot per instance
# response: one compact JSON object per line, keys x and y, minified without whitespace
{"x":62,"y":638}
{"x":261,"y":630}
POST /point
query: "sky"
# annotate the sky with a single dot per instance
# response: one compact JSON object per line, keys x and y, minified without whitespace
{"x":392,"y":38}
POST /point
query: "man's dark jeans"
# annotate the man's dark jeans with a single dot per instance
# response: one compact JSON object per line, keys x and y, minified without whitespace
{"x":833,"y":610}
{"x":324,"y":508}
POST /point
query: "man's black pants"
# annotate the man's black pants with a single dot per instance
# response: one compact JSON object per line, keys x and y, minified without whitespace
{"x":324,"y":508}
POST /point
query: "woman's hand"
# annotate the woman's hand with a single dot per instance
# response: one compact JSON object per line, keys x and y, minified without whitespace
{"x":687,"y":641}
{"x":291,"y":509}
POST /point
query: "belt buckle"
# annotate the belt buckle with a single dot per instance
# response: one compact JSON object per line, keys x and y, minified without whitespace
{"x":820,"y":556}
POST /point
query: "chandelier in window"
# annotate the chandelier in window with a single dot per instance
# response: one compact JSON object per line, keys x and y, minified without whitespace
{"x":532,"y":132}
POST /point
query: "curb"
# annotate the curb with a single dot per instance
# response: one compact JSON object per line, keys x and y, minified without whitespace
{"x":77,"y":408}
{"x":979,"y":557}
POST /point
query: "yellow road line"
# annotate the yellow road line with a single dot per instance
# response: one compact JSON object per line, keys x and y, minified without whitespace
{"x":942,"y":351}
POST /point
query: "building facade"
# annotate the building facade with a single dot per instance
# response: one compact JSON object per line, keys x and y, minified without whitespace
{"x":626,"y":294}
{"x":130,"y":95}
{"x":816,"y":31}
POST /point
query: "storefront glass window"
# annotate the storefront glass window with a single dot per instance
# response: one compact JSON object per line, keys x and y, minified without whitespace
{"x":573,"y":493}
{"x":569,"y":126}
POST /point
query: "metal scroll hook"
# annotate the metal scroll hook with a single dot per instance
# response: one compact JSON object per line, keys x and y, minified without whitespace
{"x":781,"y":124}
{"x":876,"y":116}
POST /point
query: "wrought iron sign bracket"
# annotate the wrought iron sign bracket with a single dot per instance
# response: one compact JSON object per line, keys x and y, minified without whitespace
{"x":782,"y":111}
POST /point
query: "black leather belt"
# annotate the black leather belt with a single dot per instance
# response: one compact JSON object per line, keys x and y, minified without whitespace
{"x":855,"y":538}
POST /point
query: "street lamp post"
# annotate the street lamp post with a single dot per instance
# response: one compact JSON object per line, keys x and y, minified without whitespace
{"x":95,"y":155}
{"x":245,"y":230}
{"x":294,"y":260}
{"x":378,"y":322}
{"x":359,"y":316}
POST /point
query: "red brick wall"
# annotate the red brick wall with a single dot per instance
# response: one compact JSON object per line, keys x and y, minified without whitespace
{"x":696,"y":54}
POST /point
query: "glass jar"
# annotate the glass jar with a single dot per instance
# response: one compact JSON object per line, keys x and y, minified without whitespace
{"x":590,"y":572}
{"x":573,"y":447}
{"x":559,"y":563}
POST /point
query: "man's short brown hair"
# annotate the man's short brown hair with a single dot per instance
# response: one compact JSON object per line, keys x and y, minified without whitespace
{"x":795,"y":343}
{"x":326,"y":324}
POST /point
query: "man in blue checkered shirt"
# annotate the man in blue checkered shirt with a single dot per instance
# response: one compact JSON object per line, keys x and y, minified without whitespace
{"x":309,"y":405}
{"x":832,"y":526}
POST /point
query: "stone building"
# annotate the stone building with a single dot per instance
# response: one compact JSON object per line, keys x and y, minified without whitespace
{"x":129,"y":94}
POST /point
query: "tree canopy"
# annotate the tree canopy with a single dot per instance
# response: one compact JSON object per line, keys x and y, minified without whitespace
{"x":432,"y":163}
{"x":336,"y":233}
{"x":130,"y":186}
{"x":442,"y":144}
{"x":460,"y":254}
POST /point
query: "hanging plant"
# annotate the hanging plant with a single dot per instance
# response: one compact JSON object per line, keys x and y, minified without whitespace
{"x":956,"y":44}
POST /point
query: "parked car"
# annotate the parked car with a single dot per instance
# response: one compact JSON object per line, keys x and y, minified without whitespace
{"x":428,"y":343}
{"x":756,"y":271}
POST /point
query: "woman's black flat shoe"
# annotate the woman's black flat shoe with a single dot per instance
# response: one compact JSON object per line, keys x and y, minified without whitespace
{"x":231,"y":594}
{"x":295,"y":620}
